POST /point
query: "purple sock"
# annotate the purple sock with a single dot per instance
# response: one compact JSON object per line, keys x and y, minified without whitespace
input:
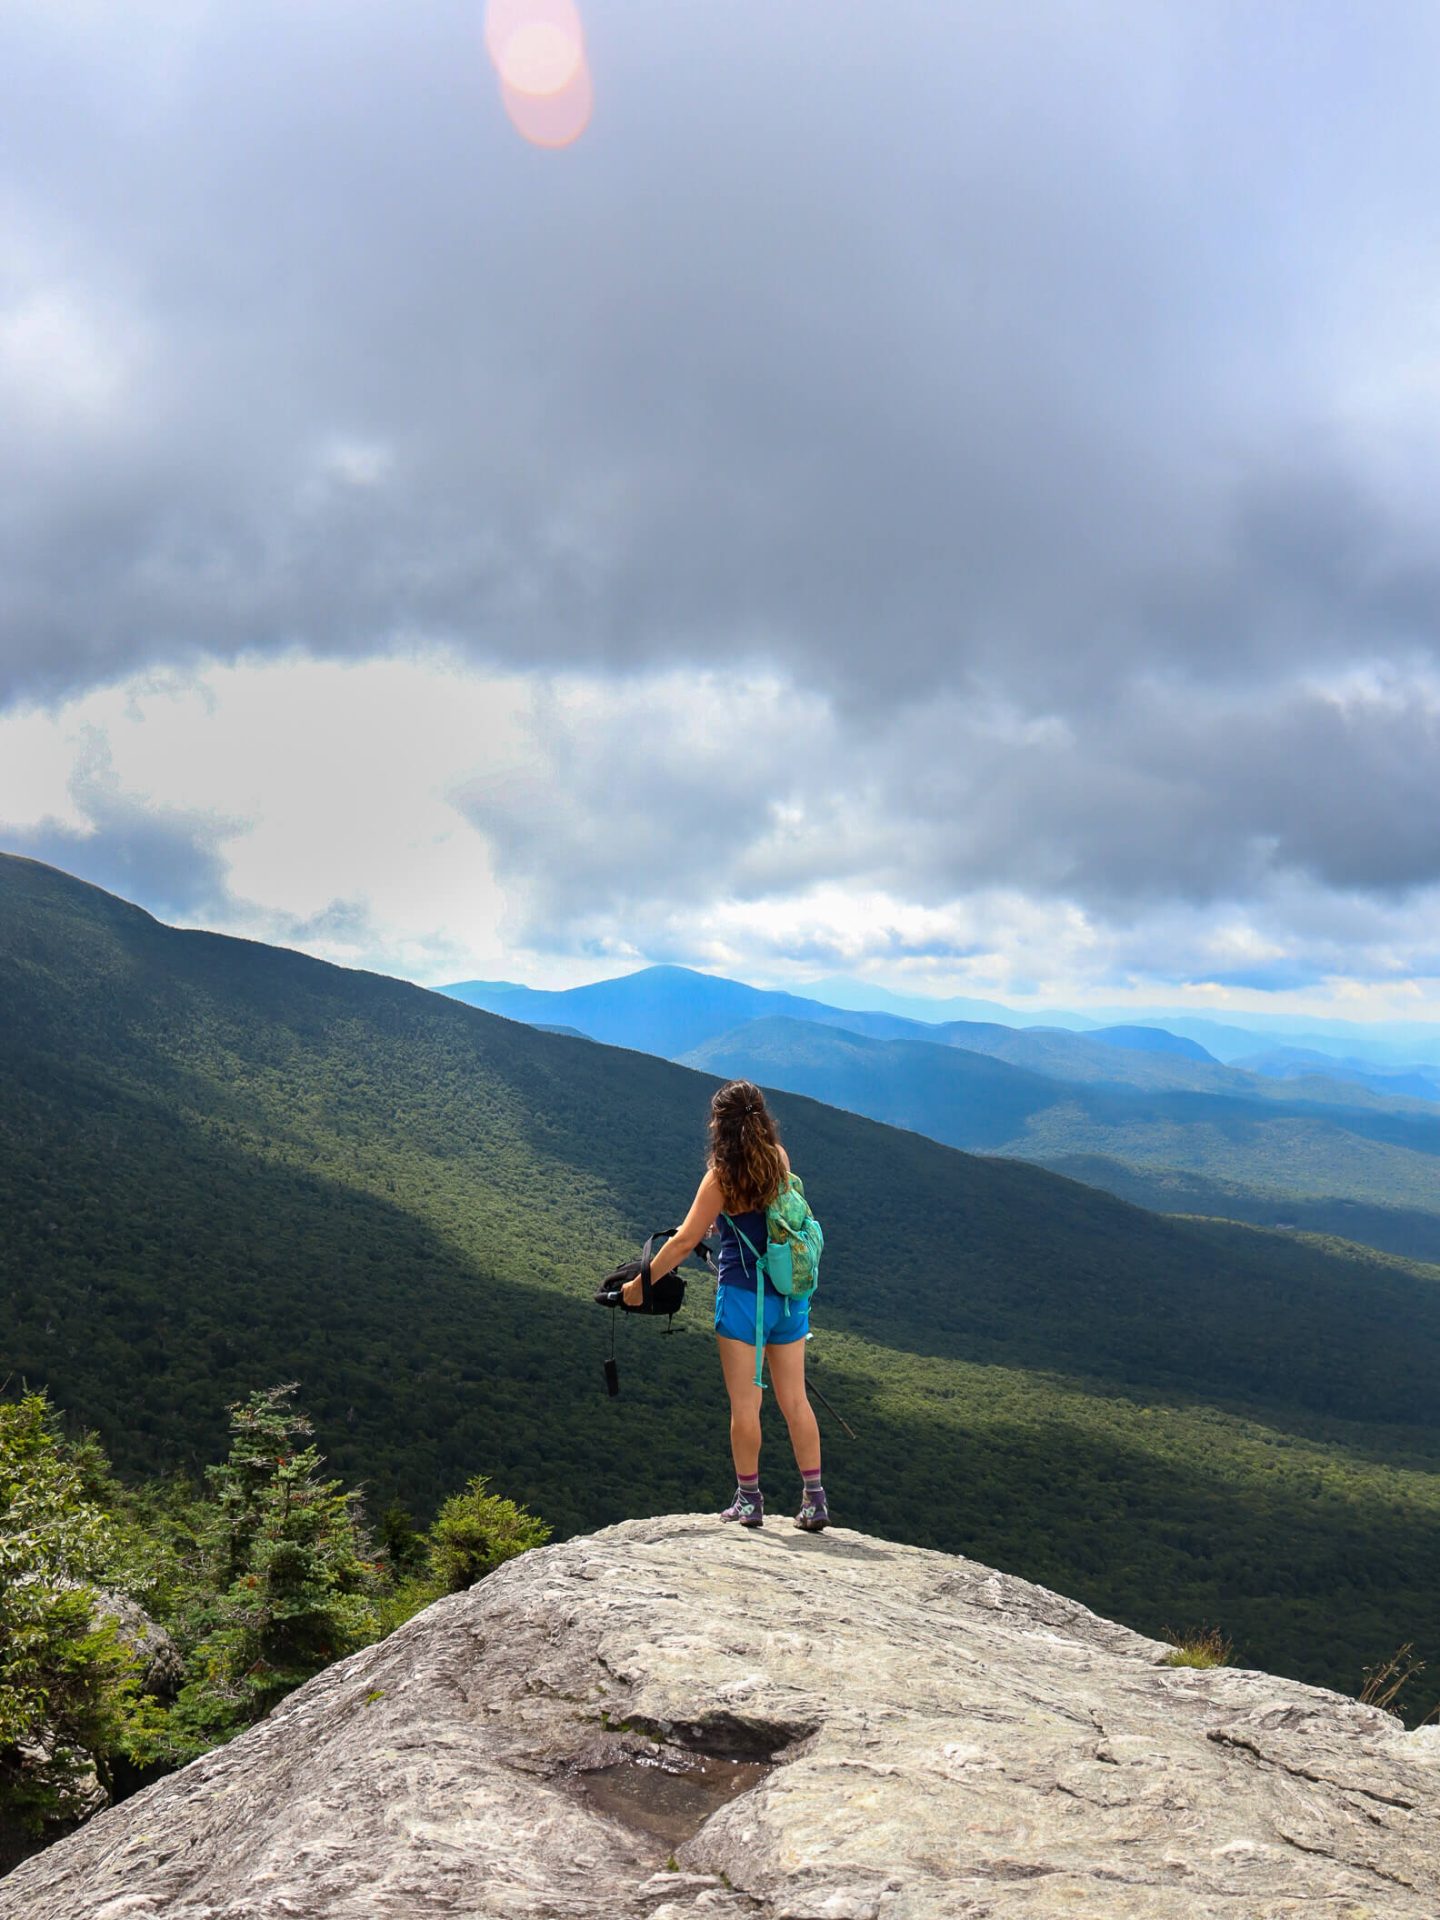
{"x":749,"y":1481}
{"x":810,"y":1476}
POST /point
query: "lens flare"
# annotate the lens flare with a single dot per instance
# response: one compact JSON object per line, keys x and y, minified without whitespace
{"x":538,"y":50}
{"x":506,"y":17}
{"x":539,"y":58}
{"x":552,"y":119}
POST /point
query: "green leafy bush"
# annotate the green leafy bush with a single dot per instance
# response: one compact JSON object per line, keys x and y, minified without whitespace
{"x":477,"y":1531}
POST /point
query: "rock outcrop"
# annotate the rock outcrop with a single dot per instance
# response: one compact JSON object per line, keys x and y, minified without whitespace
{"x":677,"y":1720}
{"x":160,"y":1668}
{"x":160,"y":1671}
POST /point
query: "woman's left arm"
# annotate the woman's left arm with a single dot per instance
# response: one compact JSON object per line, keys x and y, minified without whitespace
{"x":707,"y":1203}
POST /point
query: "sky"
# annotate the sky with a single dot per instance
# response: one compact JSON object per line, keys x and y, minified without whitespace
{"x":937,"y":493}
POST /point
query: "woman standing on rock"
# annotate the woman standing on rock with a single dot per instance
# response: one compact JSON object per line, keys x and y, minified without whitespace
{"x":746,"y":1170}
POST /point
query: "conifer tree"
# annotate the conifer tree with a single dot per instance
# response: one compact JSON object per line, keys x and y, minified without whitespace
{"x":286,"y":1577}
{"x":65,"y":1679}
{"x":475,"y":1532}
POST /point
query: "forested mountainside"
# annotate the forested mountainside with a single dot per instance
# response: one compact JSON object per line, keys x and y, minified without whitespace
{"x":1146,"y":1114}
{"x":224,"y":1164}
{"x":1371,"y":1171}
{"x":673,"y":1011}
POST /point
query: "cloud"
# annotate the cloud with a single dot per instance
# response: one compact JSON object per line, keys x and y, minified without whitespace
{"x":168,"y":858}
{"x":890,"y":370}
{"x":415,"y":817}
{"x":57,"y":362}
{"x":973,"y":469}
{"x":1176,"y":793}
{"x":672,"y":788}
{"x":1173,"y":837}
{"x":292,"y":801}
{"x":659,"y":795}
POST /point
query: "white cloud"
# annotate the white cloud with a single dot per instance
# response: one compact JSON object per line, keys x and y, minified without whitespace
{"x":37,"y":759}
{"x":332,"y":779}
{"x":416,"y":816}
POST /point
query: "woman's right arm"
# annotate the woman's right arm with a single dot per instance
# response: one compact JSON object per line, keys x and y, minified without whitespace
{"x":708,"y":1202}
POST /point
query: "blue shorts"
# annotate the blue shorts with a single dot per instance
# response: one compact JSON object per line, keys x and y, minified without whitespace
{"x":735,"y":1317}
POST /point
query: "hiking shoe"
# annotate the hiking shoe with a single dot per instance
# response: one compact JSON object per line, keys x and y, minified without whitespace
{"x":814,"y":1513}
{"x":748,"y":1508}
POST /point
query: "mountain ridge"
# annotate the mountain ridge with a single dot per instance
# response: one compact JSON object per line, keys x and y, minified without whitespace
{"x":1328,"y":1156}
{"x":1402,"y":1044}
{"x":672,"y":1011}
{"x":223,"y":1164}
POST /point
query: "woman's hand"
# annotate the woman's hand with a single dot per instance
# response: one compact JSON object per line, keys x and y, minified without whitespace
{"x":704,"y":1212}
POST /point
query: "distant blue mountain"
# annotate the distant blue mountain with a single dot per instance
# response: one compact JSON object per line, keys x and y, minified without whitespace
{"x":932,"y":1089}
{"x":1295,"y":1063}
{"x":673,"y":1010}
{"x":664,"y":1010}
{"x":859,"y":996}
{"x":1392,"y":1048}
{"x":1138,"y":1056}
{"x":1239,"y":1146}
{"x":962,"y":1099}
{"x":1388,"y":1044}
{"x":1150,"y":1040}
{"x":1132,"y":1107}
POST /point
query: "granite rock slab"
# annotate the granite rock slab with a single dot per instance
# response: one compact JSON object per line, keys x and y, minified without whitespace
{"x":675,"y":1719}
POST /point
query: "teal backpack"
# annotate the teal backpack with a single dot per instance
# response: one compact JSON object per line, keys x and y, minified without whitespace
{"x":791,"y":1260}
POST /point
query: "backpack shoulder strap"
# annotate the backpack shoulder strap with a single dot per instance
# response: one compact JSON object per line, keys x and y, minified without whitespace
{"x":647,"y":1254}
{"x":741,"y":1234}
{"x":759,"y":1259}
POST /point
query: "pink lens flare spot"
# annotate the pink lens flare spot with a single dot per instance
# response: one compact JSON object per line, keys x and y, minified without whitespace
{"x":536,"y":45}
{"x":540,"y":59}
{"x":552,"y":119}
{"x":503,"y":17}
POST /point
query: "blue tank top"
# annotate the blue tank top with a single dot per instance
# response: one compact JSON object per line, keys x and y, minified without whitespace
{"x":736,"y":1262}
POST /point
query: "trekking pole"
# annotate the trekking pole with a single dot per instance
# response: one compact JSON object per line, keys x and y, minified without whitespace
{"x":810,"y":1387}
{"x":826,"y":1404}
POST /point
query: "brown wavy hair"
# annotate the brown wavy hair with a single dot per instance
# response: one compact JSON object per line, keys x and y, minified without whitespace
{"x":745,"y":1149}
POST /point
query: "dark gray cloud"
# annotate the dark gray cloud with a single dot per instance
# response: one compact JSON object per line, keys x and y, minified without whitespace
{"x":1181,"y":795}
{"x":1053,"y":361}
{"x":904,"y":344}
{"x":641,"y":812}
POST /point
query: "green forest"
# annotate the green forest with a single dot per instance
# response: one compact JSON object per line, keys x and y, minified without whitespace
{"x":225,"y":1166}
{"x":248,"y":1584}
{"x":1320,"y":1156}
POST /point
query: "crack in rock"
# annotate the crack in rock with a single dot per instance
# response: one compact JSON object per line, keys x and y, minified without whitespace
{"x":1225,"y":1736}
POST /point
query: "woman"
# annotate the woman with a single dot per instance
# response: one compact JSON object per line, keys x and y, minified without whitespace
{"x":746,"y":1170}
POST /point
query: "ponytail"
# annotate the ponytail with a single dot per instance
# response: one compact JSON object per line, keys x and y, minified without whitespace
{"x":745,"y":1150}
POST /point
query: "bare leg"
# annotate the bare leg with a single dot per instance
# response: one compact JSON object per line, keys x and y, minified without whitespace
{"x":787,"y":1377}
{"x":737,"y":1361}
